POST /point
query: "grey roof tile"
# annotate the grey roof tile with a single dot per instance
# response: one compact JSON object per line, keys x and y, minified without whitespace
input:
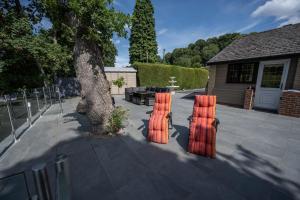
{"x":276,"y":42}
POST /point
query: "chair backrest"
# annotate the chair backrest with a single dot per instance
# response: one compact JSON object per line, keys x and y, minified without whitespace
{"x":204,"y":106}
{"x":162,"y":103}
{"x":162,"y":90}
{"x":150,"y":89}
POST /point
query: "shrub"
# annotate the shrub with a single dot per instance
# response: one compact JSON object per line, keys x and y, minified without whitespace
{"x":120,"y":82}
{"x":159,"y":75}
{"x":116,"y":120}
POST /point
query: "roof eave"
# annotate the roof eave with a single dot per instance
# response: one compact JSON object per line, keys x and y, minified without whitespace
{"x":253,"y":59}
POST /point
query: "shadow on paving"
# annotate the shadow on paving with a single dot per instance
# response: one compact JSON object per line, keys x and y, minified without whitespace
{"x":85,"y":125}
{"x":191,"y":96}
{"x":143,"y":128}
{"x":123,"y":168}
{"x":181,"y":133}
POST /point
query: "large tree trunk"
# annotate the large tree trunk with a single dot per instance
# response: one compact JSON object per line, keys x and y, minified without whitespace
{"x":95,"y":90}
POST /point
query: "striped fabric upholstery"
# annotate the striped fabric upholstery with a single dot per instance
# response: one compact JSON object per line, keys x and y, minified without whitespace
{"x":158,"y":129}
{"x":202,"y":138}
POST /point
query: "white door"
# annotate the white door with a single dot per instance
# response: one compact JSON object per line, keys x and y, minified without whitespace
{"x":271,"y":80}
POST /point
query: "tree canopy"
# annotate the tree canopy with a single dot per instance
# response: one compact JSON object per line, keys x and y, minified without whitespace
{"x":143,"y":45}
{"x":33,"y":55}
{"x":39,"y":55}
{"x":198,"y":53}
{"x":94,"y":20}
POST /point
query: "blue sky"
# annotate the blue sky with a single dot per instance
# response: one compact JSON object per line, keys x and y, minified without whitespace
{"x":179,"y":22}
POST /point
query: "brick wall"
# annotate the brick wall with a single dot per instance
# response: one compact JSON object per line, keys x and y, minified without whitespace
{"x":290,"y":103}
{"x":248,"y":101}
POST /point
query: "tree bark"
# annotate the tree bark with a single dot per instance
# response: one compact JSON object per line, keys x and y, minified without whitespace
{"x":18,"y":8}
{"x":95,"y":90}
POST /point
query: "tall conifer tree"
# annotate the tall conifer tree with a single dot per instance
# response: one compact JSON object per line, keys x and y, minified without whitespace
{"x":143,"y":45}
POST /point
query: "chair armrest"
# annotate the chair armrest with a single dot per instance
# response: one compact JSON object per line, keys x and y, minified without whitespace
{"x":217,"y":122}
{"x":149,"y":112}
{"x":169,"y":115}
{"x":190,"y":118}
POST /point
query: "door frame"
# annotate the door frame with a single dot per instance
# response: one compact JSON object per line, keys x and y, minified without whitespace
{"x":285,"y":62}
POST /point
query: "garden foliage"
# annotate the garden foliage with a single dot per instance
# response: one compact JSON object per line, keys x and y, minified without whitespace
{"x":116,"y":121}
{"x":197,"y":54}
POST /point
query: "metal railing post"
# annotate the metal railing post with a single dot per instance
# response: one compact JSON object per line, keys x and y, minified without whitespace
{"x":13,"y":131}
{"x":27,"y":107}
{"x":59,"y":99}
{"x":45,"y":98}
{"x":37,"y":99}
{"x":63,"y":180}
{"x":53,"y":90}
{"x":41,"y":181}
{"x":50,"y":96}
{"x":30,"y":113}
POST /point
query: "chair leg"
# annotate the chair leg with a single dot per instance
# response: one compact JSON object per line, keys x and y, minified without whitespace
{"x":170,"y":123}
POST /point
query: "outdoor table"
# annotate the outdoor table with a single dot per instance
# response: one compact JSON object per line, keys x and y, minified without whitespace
{"x":140,"y":96}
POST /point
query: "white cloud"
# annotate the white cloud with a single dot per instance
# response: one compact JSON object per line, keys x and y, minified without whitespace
{"x":248,"y":27}
{"x":160,"y":50}
{"x":122,"y":61}
{"x":127,"y":28}
{"x":162,"y":31}
{"x":117,"y":3}
{"x":286,"y":11}
{"x":117,"y":41}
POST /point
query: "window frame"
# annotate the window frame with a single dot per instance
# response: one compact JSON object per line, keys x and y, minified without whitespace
{"x":241,"y":66}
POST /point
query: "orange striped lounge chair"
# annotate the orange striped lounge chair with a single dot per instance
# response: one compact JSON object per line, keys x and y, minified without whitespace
{"x":160,"y":119}
{"x":203,"y":126}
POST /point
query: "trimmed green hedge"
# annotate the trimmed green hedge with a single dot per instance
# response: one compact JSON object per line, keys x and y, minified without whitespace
{"x":159,"y":75}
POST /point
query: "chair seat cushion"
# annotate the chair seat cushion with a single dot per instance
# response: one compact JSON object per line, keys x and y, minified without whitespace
{"x":202,"y":137}
{"x":158,"y":128}
{"x":201,"y":127}
{"x":201,"y":148}
{"x":160,"y":112}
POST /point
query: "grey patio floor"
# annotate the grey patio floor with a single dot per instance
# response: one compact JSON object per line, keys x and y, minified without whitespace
{"x":258,"y":157}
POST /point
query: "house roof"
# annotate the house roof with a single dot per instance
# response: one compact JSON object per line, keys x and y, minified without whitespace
{"x":119,"y":69}
{"x":277,"y":42}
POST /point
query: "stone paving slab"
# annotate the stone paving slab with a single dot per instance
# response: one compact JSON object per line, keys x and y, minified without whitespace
{"x":257,"y":156}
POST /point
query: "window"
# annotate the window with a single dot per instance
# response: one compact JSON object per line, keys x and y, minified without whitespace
{"x":272,"y":76}
{"x":242,"y":73}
